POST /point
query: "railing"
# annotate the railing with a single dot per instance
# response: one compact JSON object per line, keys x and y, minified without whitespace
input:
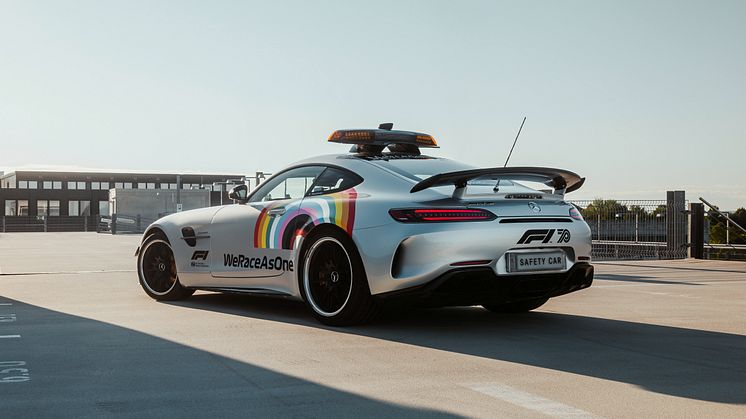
{"x":115,"y":224}
{"x":13,"y":224}
{"x":725,"y":238}
{"x":635,"y":229}
{"x":124,"y":224}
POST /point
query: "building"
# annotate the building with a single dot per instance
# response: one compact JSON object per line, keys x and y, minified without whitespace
{"x":56,"y":200}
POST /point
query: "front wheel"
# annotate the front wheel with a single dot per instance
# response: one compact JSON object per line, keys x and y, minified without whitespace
{"x":156,"y":267}
{"x":333,"y":280}
{"x":517,"y":307}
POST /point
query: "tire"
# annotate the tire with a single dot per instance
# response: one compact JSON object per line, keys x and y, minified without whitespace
{"x":156,"y":267}
{"x":333,"y":280}
{"x":517,"y":307}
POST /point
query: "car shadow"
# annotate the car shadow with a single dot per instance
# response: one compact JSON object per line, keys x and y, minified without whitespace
{"x":640,"y":279}
{"x":69,"y":366}
{"x":690,"y":363}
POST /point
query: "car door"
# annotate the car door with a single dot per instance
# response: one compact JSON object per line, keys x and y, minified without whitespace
{"x":246,"y":239}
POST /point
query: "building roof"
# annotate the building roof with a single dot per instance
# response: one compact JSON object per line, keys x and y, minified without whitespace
{"x":98,"y":171}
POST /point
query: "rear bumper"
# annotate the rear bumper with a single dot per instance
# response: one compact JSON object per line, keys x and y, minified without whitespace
{"x":475,"y":286}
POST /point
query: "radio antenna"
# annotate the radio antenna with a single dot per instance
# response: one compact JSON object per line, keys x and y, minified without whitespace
{"x":514,"y":141}
{"x":497,"y":185}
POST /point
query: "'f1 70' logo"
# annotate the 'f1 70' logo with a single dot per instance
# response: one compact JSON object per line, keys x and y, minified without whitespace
{"x":545,"y":236}
{"x":200,"y":254}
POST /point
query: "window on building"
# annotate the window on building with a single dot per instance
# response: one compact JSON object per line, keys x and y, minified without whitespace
{"x":23,"y":207}
{"x":105,"y":186}
{"x":141,"y":185}
{"x":57,"y":184}
{"x":73,"y":208}
{"x":85,"y":207}
{"x":10,"y":208}
{"x":95,"y":185}
{"x":103,"y":207}
{"x":151,"y":185}
{"x":81,"y":185}
{"x":54,"y":208}
{"x":42,"y":207}
{"x":22,"y":184}
{"x":32,"y":184}
{"x":72,"y":185}
{"x":119,"y":185}
{"x":47,"y":184}
{"x":127,"y":185}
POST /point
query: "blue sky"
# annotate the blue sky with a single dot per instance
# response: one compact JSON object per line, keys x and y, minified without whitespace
{"x":637,"y":96}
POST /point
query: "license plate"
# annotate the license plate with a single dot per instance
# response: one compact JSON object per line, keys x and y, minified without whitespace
{"x":536,"y":261}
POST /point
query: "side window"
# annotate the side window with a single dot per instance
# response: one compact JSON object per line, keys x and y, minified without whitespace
{"x":334,"y":180}
{"x":292,"y":184}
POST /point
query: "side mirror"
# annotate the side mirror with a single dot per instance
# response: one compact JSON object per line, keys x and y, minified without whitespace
{"x":239,"y":193}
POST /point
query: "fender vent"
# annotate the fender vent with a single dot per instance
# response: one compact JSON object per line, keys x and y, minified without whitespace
{"x":187,"y":233}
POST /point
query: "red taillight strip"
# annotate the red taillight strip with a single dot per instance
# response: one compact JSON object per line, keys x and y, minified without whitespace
{"x":415,"y":215}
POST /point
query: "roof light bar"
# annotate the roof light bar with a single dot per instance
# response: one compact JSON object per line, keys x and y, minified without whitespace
{"x":383,"y":138}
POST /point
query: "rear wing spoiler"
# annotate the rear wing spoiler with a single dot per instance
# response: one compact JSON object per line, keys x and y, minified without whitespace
{"x":562,"y":181}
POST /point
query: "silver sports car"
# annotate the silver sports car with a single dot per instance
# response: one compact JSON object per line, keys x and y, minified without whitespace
{"x":382,"y":224}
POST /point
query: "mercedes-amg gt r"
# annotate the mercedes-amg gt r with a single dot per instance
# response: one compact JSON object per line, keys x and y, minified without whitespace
{"x":348,"y":233}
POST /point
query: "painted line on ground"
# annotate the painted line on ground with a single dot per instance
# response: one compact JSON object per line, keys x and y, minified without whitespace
{"x":9,"y":336}
{"x":531,"y":401}
{"x":6,"y":304}
{"x":66,"y":272}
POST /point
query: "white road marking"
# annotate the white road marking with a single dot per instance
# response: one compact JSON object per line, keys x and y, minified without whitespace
{"x":531,"y":401}
{"x":7,"y":318}
{"x":105,"y":271}
{"x":6,"y":304}
{"x":9,"y":336}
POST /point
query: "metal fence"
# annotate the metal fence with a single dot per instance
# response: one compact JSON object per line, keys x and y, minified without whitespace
{"x":124,"y":224}
{"x":115,"y":224}
{"x":14,"y":224}
{"x":636,"y":229}
{"x":724,"y":238}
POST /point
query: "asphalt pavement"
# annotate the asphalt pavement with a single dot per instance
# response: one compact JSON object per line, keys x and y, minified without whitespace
{"x":78,"y":337}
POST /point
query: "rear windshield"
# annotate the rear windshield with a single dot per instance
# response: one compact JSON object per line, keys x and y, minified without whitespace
{"x":418,"y":169}
{"x":422,"y":168}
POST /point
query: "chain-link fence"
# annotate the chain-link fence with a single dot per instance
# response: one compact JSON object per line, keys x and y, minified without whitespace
{"x":636,"y":229}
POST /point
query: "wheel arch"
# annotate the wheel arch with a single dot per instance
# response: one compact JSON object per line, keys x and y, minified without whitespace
{"x":313,"y":231}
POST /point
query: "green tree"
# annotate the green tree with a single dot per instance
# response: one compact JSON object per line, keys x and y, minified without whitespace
{"x":636,"y":209}
{"x":719,"y":231}
{"x":606,"y":208}
{"x":660,"y":210}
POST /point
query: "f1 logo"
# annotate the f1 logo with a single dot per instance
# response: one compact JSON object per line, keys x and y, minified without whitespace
{"x":545,"y":236}
{"x":200,"y":254}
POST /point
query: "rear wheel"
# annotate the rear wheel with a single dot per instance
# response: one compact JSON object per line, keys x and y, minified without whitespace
{"x":517,"y":307}
{"x":156,"y":267}
{"x":333,"y":280}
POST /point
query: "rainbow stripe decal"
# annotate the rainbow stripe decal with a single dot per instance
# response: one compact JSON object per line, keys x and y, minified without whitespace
{"x":337,"y":208}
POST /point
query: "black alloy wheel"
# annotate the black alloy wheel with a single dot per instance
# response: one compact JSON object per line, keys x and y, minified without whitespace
{"x":157,"y":270}
{"x":333,"y":280}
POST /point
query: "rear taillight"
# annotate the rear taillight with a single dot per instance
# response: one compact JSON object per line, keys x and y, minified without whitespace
{"x":575,"y":214}
{"x":440,"y":215}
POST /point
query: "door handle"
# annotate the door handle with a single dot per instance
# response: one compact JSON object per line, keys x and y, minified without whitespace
{"x":276,"y":211}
